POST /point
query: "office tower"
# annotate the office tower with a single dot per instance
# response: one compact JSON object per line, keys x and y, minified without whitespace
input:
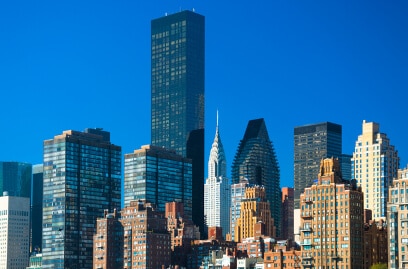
{"x":15,"y":178}
{"x":177,"y":99}
{"x":255,"y":208}
{"x":397,"y":220}
{"x":217,"y":191}
{"x":158,"y":175}
{"x":374,"y":165}
{"x":331,"y":221}
{"x":37,"y":208}
{"x":14,"y":231}
{"x":312,"y":143}
{"x":237,"y":195}
{"x":345,"y":162}
{"x":256,"y":160}
{"x":82,"y":178}
{"x":146,"y":242}
{"x":108,"y":242}
{"x":287,"y":213}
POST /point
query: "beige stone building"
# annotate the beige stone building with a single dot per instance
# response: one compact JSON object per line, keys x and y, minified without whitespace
{"x":397,"y":221}
{"x":254,"y":208}
{"x":331,"y":221}
{"x":374,"y":165}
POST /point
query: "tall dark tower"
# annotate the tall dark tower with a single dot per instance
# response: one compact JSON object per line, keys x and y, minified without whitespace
{"x":312,"y":143}
{"x":177,"y":104}
{"x":256,"y":160}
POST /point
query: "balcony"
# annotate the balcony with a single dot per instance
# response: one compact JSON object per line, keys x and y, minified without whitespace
{"x":307,"y":258}
{"x":306,"y":215}
{"x":308,"y":200}
{"x":306,"y":264}
{"x":305,"y":229}
{"x":305,"y":243}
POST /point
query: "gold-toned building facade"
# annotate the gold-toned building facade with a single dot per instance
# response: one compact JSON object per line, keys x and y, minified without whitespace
{"x":331,"y":221}
{"x":254,"y":208}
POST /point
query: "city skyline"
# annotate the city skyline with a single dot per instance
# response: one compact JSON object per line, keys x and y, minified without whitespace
{"x":89,"y":65}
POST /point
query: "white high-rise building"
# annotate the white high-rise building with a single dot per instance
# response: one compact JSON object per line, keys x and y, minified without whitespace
{"x":217,"y":192}
{"x":374,"y":165}
{"x":14,"y":231}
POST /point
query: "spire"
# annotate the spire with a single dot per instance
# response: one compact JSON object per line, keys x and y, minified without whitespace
{"x":217,"y":163}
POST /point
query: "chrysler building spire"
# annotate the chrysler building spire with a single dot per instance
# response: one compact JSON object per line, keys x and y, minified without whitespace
{"x":217,"y":166}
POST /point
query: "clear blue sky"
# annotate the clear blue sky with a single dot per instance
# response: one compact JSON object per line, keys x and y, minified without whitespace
{"x":77,"y":64}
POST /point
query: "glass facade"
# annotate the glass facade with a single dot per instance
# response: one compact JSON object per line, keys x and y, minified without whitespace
{"x":15,"y":178}
{"x":312,"y":143}
{"x":37,"y":208}
{"x":158,"y":175}
{"x":82,"y":177}
{"x":256,"y":161}
{"x":177,"y":93}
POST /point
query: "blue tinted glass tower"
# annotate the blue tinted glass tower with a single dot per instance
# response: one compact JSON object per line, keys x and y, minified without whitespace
{"x":15,"y":178}
{"x":158,"y":175}
{"x":256,"y":162}
{"x":82,"y":178}
{"x":177,"y":93}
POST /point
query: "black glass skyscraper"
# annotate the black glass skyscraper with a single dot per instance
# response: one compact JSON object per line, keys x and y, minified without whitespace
{"x":177,"y":93}
{"x":37,"y":208}
{"x":82,"y":178}
{"x":312,"y":143}
{"x":256,"y":161}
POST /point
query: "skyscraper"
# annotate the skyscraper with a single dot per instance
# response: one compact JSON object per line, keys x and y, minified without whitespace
{"x":14,"y":231}
{"x":217,"y":191}
{"x":312,"y":143}
{"x":177,"y":93}
{"x":82,"y":178}
{"x":15,"y":178}
{"x":37,"y":208}
{"x":158,"y":175}
{"x":256,"y":160}
{"x":331,"y":229}
{"x":374,"y":165}
{"x":255,"y":209}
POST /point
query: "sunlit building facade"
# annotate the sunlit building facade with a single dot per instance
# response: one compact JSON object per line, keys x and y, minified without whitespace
{"x":82,"y":178}
{"x":217,"y":190}
{"x":397,"y":221}
{"x":331,"y":228}
{"x":14,"y":231}
{"x":375,"y":164}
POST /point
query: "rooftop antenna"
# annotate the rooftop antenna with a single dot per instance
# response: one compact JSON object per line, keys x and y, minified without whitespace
{"x":217,"y":118}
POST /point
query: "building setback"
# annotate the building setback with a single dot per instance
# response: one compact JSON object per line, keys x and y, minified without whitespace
{"x":177,"y":93}
{"x":255,"y":217}
{"x":217,"y":190}
{"x":14,"y":231}
{"x":256,"y":161}
{"x":82,"y":175}
{"x":158,"y":175}
{"x":375,"y":164}
{"x":331,"y":221}
{"x":312,"y":143}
